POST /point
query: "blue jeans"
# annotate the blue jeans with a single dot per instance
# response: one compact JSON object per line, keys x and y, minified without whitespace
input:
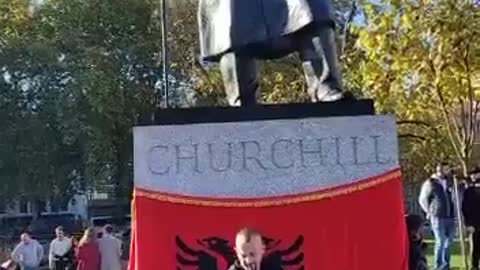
{"x":28,"y":268}
{"x":444,"y":232}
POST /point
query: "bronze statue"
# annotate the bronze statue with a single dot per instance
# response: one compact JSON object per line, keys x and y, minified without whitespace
{"x":237,"y":32}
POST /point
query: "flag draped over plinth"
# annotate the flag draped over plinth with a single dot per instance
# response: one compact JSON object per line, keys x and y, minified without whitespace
{"x":325,"y":223}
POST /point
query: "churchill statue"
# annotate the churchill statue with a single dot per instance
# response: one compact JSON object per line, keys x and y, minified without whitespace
{"x":235,"y":33}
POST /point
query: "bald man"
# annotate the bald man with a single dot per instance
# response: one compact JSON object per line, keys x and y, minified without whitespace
{"x":28,"y":254}
{"x":250,"y":249}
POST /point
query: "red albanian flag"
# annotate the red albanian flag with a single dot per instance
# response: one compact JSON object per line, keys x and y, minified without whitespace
{"x":348,"y":215}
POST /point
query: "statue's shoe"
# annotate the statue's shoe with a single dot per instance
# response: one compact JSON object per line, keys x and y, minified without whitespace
{"x":335,"y":95}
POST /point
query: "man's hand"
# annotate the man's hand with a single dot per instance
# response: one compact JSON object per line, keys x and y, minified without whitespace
{"x":18,"y":258}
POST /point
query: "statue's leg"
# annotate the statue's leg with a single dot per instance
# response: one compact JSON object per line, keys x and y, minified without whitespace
{"x":240,"y":79}
{"x":319,"y":56}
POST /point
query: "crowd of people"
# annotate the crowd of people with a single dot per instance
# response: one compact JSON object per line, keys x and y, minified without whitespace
{"x":103,"y":251}
{"x":437,"y":200}
{"x":95,"y":251}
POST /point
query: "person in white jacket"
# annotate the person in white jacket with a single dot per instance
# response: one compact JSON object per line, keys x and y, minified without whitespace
{"x":110,"y":250}
{"x":60,"y":247}
{"x":28,"y":254}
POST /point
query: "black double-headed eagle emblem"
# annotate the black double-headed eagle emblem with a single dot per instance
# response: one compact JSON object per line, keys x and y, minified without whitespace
{"x":209,"y":251}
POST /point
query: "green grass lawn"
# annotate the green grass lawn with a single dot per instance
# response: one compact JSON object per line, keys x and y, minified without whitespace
{"x":457,"y":260}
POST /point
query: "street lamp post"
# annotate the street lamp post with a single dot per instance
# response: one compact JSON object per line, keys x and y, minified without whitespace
{"x":164,"y":31}
{"x":460,"y":221}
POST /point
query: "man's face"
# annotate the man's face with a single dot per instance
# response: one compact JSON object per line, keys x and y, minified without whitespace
{"x":250,"y":253}
{"x":445,"y":170}
{"x":59,"y":234}
{"x":25,"y":238}
{"x":418,"y":234}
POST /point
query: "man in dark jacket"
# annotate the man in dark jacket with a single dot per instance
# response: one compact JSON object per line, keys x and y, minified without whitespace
{"x":436,"y":200}
{"x":236,"y":32}
{"x":417,"y":247}
{"x":471,"y":214}
{"x":250,"y":250}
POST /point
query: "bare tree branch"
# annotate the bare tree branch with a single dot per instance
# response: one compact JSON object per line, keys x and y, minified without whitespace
{"x":414,"y":122}
{"x":473,"y":109}
{"x":438,"y":91}
{"x":346,"y":27}
{"x":412,"y":136}
{"x":419,"y":123}
{"x":463,"y":118}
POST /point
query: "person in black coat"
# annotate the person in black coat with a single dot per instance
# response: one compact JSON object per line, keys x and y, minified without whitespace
{"x":471,"y":214}
{"x":437,"y":201}
{"x":417,"y":248}
{"x":235,"y":33}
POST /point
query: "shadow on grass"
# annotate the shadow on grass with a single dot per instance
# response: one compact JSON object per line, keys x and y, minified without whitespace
{"x":456,"y":252}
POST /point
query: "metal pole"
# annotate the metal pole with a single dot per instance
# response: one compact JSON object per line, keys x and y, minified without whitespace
{"x":163,"y":12}
{"x":460,"y":220}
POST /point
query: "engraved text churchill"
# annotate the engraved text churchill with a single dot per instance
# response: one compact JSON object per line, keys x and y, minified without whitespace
{"x":280,"y":154}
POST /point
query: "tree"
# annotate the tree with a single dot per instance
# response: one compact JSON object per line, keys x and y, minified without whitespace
{"x":38,"y":158}
{"x":418,"y":59}
{"x":14,"y":18}
{"x":73,"y":84}
{"x":108,"y":48}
